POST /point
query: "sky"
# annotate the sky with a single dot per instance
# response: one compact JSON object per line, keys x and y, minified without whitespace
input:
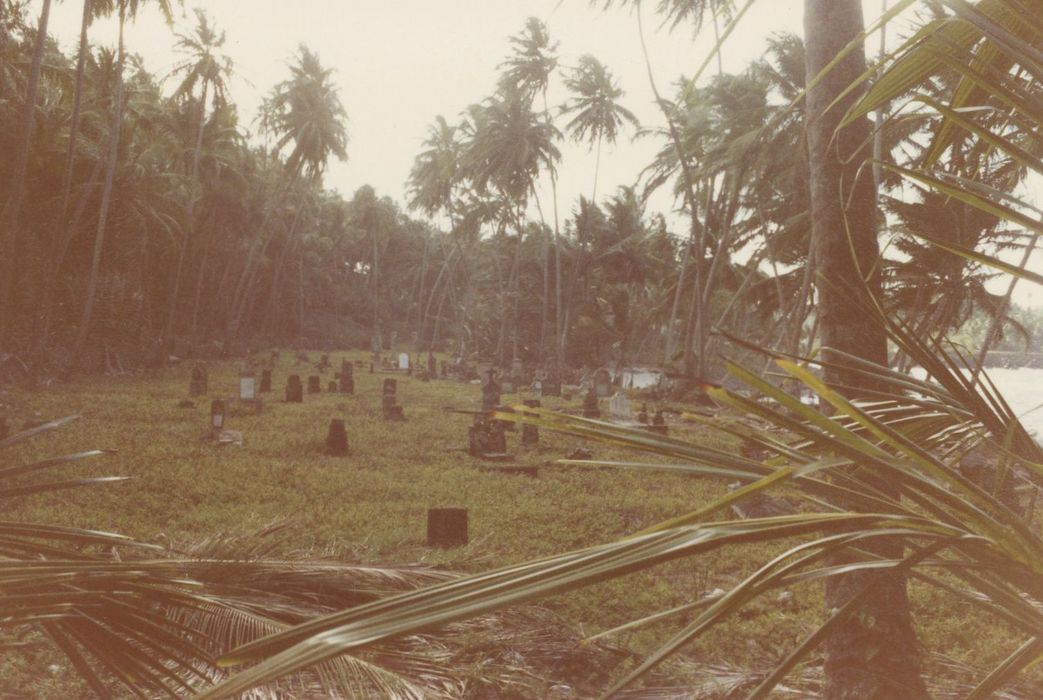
{"x":400,"y":63}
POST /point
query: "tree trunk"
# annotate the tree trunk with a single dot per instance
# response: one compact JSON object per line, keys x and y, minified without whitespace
{"x":106,"y":195}
{"x":874,"y":654}
{"x":9,"y":238}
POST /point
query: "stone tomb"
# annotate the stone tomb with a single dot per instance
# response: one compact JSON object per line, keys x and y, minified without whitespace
{"x":294,"y":389}
{"x":619,"y":406}
{"x":391,"y":409}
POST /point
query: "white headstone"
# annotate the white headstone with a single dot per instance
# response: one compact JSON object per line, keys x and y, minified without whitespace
{"x":403,"y":360}
{"x":619,"y":405}
{"x":247,"y":388}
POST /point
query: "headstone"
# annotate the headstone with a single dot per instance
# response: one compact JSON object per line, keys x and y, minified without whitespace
{"x":530,"y":435}
{"x":602,"y":381}
{"x":619,"y":406}
{"x":403,"y":360}
{"x":331,"y":386}
{"x":446,"y":527}
{"x":432,"y":366}
{"x":642,"y":415}
{"x":392,"y":411}
{"x":658,"y":423}
{"x":490,"y":391}
{"x":294,"y":389}
{"x":590,"y":404}
{"x":517,"y":369}
{"x":347,"y":383}
{"x":551,"y":387}
{"x":314,"y":384}
{"x":217,"y":416}
{"x":198,"y":385}
{"x":247,"y":387}
{"x":266,"y":381}
{"x":485,"y":438}
{"x":337,"y":439}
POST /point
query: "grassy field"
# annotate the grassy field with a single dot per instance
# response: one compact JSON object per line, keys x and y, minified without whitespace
{"x":372,"y":505}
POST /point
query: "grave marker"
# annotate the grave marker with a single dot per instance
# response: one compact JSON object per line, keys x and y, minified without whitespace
{"x":403,"y":360}
{"x":619,"y":406}
{"x":590,"y":404}
{"x":294,"y":390}
{"x":530,"y":436}
{"x":337,"y":439}
{"x":331,"y":386}
{"x":314,"y":384}
{"x":266,"y":381}
{"x":247,"y":386}
{"x":446,"y":527}
{"x":602,"y":383}
{"x":217,"y":416}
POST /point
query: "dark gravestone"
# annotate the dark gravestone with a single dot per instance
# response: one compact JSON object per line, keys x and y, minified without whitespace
{"x":658,"y":423}
{"x":486,"y":439}
{"x":432,"y":366}
{"x":266,"y":381}
{"x":337,"y":439}
{"x":590,"y":405}
{"x":217,"y":416}
{"x":390,"y":387}
{"x":530,"y":436}
{"x":446,"y":527}
{"x":198,"y":385}
{"x":602,"y":383}
{"x":392,"y":411}
{"x":294,"y":389}
{"x":490,"y":392}
{"x":347,"y":384}
{"x":331,"y":387}
{"x":314,"y":384}
{"x":642,"y":415}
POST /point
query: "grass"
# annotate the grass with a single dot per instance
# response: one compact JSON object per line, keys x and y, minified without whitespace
{"x":372,"y":505}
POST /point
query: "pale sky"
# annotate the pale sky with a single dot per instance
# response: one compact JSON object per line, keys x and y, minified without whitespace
{"x":400,"y":63}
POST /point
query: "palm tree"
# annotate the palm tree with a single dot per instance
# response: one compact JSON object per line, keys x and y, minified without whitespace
{"x":843,"y":220}
{"x":128,"y":9}
{"x":599,"y":116}
{"x":9,"y":216}
{"x":304,"y":111}
{"x":510,"y":146}
{"x":528,"y":70}
{"x":206,"y":68}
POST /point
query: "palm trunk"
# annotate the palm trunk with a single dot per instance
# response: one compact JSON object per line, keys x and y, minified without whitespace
{"x":106,"y":194}
{"x":201,"y":279}
{"x":10,"y":242}
{"x":190,"y":213}
{"x":875,"y":653}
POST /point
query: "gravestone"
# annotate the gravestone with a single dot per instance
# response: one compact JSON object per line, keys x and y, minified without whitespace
{"x":517,"y":369}
{"x":619,"y":406}
{"x":490,"y":391}
{"x":217,"y":416}
{"x":642,"y":415}
{"x":294,"y":389}
{"x":266,"y":381}
{"x":324,"y":362}
{"x":508,"y":386}
{"x":530,"y":436}
{"x":432,"y":366}
{"x":314,"y":384}
{"x":551,"y":385}
{"x":198,"y":384}
{"x":485,"y":438}
{"x":247,"y":386}
{"x":602,"y":382}
{"x":446,"y":527}
{"x":590,"y":404}
{"x":337,"y":439}
{"x":331,"y":386}
{"x":347,"y":378}
{"x":658,"y":423}
{"x":403,"y":360}
{"x":392,"y":411}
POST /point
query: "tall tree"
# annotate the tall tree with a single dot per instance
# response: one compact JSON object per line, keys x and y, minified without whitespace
{"x":874,"y":653}
{"x":206,"y":69}
{"x":598,"y":114}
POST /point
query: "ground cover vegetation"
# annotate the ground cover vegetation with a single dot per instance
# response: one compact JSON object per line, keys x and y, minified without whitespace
{"x":789,"y":189}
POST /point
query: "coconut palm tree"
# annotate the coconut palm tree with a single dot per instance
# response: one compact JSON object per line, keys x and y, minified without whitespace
{"x":305,"y":115}
{"x":598,"y":114}
{"x":127,"y":9}
{"x":206,"y":69}
{"x":528,"y":70}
